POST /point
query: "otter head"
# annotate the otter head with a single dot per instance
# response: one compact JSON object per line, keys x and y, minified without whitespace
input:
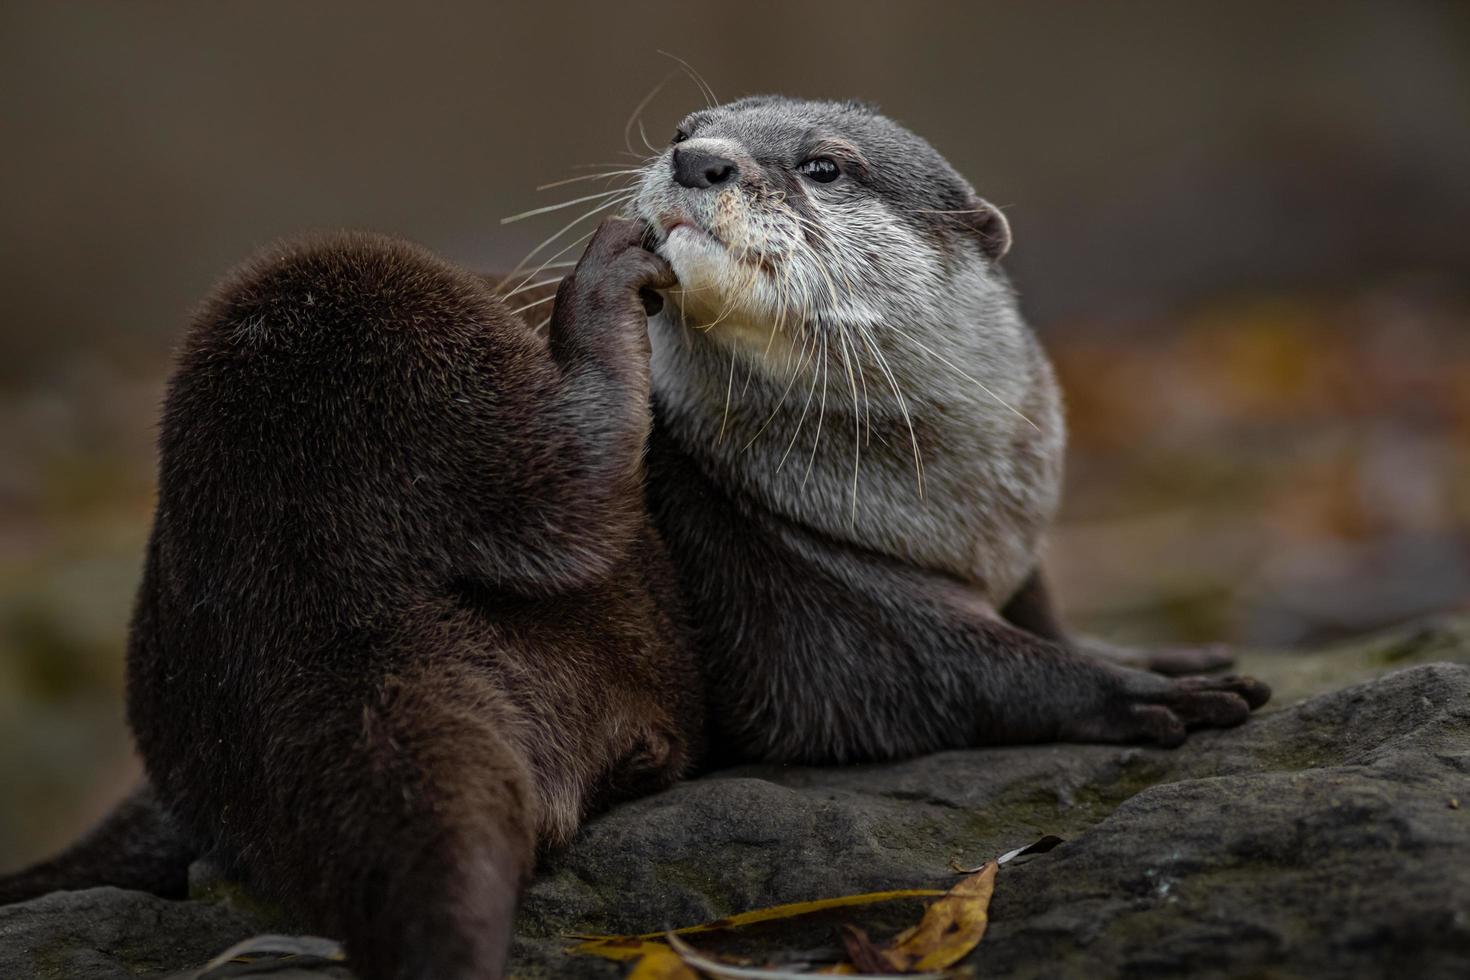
{"x":827,"y":250}
{"x":790,"y":219}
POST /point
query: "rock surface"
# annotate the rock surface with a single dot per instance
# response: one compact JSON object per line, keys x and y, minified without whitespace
{"x":1328,"y":837}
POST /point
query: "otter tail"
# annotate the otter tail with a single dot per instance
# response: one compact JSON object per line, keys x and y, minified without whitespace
{"x":135,"y":846}
{"x":400,"y":819}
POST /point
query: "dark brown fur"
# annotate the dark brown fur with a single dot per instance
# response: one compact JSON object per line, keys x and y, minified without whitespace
{"x":403,"y":618}
{"x":817,"y":651}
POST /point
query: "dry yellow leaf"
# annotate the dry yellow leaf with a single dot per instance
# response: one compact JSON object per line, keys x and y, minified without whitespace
{"x":949,"y":929}
{"x":661,"y":963}
{"x":617,"y":948}
{"x":624,"y":948}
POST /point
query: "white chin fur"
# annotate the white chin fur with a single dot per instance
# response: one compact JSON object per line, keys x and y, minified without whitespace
{"x":703,"y":267}
{"x":688,"y":248}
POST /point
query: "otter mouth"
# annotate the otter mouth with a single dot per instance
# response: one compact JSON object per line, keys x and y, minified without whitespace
{"x":669,"y":225}
{"x":751,"y":257}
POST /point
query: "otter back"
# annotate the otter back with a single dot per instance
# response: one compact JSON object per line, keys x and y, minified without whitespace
{"x":403,"y":620}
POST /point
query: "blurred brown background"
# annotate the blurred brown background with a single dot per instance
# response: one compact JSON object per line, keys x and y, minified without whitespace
{"x":1241,"y":229}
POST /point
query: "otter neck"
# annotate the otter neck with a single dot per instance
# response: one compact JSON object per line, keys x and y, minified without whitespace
{"x":822,"y":432}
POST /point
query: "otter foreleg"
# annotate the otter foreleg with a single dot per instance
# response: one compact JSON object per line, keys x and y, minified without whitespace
{"x":1032,"y":609}
{"x":1033,"y":689}
{"x":599,"y":337}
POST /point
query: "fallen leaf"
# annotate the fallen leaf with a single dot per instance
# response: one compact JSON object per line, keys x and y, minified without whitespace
{"x":945,"y":935}
{"x":662,"y":963}
{"x":623,"y":948}
{"x":727,"y":971}
{"x":617,"y":948}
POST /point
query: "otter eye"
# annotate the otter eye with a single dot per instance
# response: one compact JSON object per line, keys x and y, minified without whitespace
{"x":823,"y":170}
{"x":679,"y":136}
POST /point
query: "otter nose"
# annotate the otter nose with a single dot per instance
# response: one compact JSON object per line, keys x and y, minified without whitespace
{"x":694,"y":168}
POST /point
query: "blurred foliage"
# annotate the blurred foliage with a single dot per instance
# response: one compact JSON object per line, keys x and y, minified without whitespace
{"x":1275,"y":469}
{"x":75,"y":501}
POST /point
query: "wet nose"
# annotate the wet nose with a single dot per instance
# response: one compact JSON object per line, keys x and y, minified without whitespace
{"x":694,"y":168}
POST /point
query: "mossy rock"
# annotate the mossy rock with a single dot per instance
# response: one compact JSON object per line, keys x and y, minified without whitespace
{"x":1328,"y":837}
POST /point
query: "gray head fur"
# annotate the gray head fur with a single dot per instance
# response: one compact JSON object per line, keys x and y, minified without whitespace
{"x":846,"y":352}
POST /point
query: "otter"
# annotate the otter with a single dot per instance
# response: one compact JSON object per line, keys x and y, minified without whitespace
{"x":424,"y":590}
{"x":403,"y":620}
{"x":857,"y":450}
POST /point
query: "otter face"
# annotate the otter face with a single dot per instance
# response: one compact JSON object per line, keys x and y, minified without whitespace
{"x":892,"y":395}
{"x":802,"y":218}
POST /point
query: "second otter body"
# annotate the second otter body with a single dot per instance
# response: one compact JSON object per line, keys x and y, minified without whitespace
{"x":403,"y":621}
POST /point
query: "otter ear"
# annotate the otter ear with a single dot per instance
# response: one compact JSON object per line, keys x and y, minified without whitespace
{"x":990,"y":227}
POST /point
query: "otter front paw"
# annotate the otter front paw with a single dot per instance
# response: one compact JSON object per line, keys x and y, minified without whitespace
{"x":1148,"y":708}
{"x":616,"y":277}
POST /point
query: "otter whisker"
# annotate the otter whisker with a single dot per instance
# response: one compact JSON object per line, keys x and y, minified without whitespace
{"x":944,"y":211}
{"x":821,"y":235}
{"x":566,"y":228}
{"x":566,"y":204}
{"x":805,"y":408}
{"x":609,"y":163}
{"x":777,"y":325}
{"x":857,"y":418}
{"x":808,"y":345}
{"x":733,"y":296}
{"x":572,"y":180}
{"x":861,"y":377}
{"x":533,"y":285}
{"x":690,"y":290}
{"x":545,"y":265}
{"x":638,"y":112}
{"x":784,"y":293}
{"x":643,"y":135}
{"x":903,"y":410}
{"x":821,"y":415}
{"x":704,"y":88}
{"x":844,"y":345}
{"x":825,"y":238}
{"x":979,"y":384}
{"x":729,"y":389}
{"x":521,"y":309}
